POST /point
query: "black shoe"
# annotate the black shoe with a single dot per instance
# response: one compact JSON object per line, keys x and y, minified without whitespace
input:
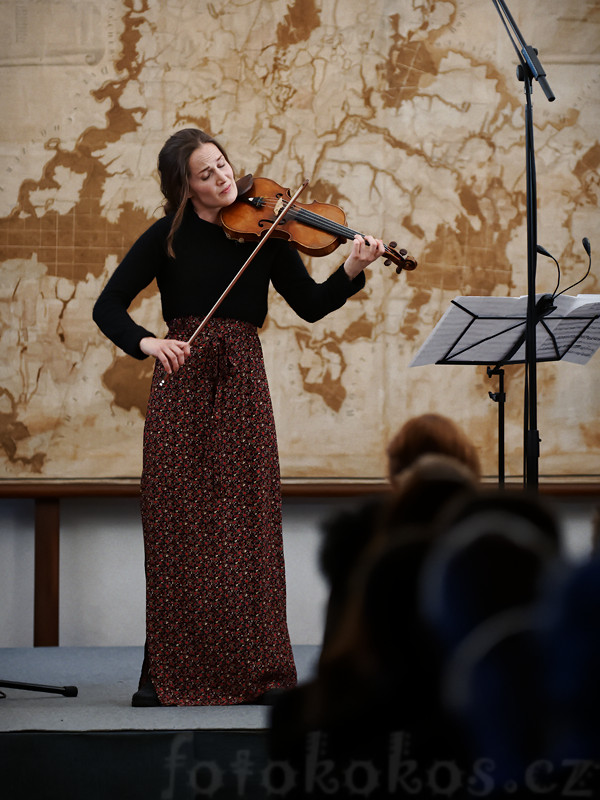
{"x":145,"y":697}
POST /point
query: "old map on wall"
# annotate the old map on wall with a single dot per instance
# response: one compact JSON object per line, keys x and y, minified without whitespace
{"x":408,"y":114}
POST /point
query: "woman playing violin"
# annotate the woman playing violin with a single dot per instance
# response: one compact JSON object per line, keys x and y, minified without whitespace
{"x":216,"y":630}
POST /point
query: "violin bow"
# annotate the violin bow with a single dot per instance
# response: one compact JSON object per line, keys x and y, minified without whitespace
{"x":244,"y":266}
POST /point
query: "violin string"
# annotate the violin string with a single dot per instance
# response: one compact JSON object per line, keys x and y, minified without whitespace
{"x":321,"y":223}
{"x":318,"y":221}
{"x":330,"y":226}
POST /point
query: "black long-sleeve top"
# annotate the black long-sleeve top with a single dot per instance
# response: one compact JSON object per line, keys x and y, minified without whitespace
{"x":205,"y":263}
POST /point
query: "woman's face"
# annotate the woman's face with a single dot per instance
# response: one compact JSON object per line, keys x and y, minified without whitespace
{"x":211,"y":181}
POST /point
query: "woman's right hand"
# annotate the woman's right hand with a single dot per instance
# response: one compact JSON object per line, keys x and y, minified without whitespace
{"x":170,"y":352}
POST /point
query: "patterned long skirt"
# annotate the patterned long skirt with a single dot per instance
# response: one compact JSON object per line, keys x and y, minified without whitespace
{"x":211,"y":511}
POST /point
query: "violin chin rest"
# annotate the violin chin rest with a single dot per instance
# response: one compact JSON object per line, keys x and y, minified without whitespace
{"x":244,"y":184}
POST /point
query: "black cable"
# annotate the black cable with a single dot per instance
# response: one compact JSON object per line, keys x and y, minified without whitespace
{"x":586,"y":245}
{"x":543,"y":252}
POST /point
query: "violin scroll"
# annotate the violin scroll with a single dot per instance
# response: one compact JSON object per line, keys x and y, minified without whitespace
{"x":399,"y":257}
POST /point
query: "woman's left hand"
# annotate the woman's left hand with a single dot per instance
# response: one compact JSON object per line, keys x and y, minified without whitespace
{"x":364,"y":251}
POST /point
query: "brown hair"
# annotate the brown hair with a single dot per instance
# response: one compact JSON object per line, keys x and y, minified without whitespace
{"x":430,"y":433}
{"x":173,"y":168}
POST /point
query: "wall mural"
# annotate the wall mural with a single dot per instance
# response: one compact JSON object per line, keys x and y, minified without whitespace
{"x":408,"y":114}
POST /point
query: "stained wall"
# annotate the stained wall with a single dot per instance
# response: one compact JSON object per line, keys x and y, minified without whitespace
{"x":408,"y":115}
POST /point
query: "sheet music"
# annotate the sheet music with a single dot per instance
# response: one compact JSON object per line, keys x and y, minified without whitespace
{"x":582,"y":307}
{"x":491,"y":330}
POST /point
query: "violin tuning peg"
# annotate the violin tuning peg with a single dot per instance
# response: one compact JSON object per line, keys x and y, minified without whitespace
{"x":387,"y":263}
{"x":403,"y":252}
{"x":398,"y":269}
{"x":393,"y":245}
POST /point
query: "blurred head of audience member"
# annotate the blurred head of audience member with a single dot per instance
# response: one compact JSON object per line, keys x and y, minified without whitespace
{"x":570,"y":619}
{"x":492,"y":553}
{"x":430,"y":434}
{"x":479,"y":592}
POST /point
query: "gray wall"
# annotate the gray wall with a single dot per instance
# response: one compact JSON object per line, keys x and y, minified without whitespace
{"x":102,"y":577}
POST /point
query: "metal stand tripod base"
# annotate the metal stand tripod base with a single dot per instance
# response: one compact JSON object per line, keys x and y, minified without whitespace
{"x":66,"y":691}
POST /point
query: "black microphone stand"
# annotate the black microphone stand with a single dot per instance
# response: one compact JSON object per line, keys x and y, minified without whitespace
{"x":529,"y":69}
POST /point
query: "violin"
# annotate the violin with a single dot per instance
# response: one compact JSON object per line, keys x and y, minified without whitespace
{"x":315,"y":229}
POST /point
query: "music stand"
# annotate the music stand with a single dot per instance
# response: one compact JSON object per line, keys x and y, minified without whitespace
{"x":493,"y":331}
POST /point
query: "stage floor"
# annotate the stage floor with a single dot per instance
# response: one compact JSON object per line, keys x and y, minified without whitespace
{"x":106,"y":678}
{"x":95,"y":746}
